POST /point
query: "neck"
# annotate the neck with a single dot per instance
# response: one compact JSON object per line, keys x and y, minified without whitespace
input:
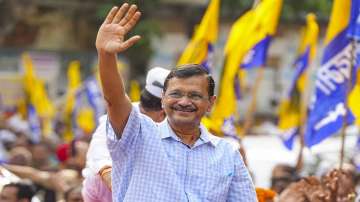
{"x":187,"y":134}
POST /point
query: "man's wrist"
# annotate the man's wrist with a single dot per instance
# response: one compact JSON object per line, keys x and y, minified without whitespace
{"x":103,"y":53}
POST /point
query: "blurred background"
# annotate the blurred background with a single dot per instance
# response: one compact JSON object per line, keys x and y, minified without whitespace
{"x":49,"y":91}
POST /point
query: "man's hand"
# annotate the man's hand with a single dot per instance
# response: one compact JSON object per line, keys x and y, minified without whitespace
{"x":119,"y":21}
{"x":106,"y":178}
{"x":110,"y":41}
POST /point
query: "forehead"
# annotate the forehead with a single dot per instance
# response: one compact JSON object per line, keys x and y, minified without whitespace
{"x":197,"y":83}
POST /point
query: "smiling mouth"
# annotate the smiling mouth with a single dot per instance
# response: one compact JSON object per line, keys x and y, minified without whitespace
{"x":184,"y":109}
{"x":188,"y":111}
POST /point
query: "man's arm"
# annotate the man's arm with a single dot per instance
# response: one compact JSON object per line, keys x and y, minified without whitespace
{"x":110,"y":40}
{"x":47,"y":179}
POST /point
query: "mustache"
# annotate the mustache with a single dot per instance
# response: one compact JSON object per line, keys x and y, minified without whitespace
{"x":185,"y":108}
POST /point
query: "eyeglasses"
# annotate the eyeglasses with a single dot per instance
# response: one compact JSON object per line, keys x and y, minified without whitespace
{"x":192,"y":95}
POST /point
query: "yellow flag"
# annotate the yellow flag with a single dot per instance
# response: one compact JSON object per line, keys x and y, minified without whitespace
{"x":74,"y":83}
{"x":354,"y":100}
{"x":29,"y":76}
{"x":85,"y":119}
{"x":289,"y":109}
{"x":339,"y":19}
{"x":246,"y":32}
{"x":206,"y":33}
{"x":134,"y":91}
{"x":38,"y":96}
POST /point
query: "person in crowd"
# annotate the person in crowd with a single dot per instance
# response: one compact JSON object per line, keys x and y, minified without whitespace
{"x":17,"y":192}
{"x":20,"y":156}
{"x":42,"y":157}
{"x":72,"y":155}
{"x":55,"y":183}
{"x":74,"y":195}
{"x":97,"y":183}
{"x":340,"y":185}
{"x":178,"y":159}
{"x":336,"y":186}
{"x":282,"y":176}
{"x":307,"y":189}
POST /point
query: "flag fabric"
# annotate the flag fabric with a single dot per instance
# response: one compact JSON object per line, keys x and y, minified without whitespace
{"x":200,"y":49}
{"x":229,"y":129}
{"x":256,"y":57}
{"x":328,"y":110}
{"x":290,"y":113}
{"x":29,"y":83}
{"x":134,"y":91}
{"x":354,"y":25}
{"x":354,"y":98}
{"x":250,"y":30}
{"x":40,"y":109}
{"x":74,"y":84}
{"x":34,"y":124}
{"x":83,"y":116}
{"x":95,"y":97}
{"x":268,"y":21}
{"x":354,"y":34}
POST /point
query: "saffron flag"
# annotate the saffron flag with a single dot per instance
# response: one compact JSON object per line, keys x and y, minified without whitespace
{"x":201,"y":47}
{"x":290,"y":108}
{"x":327,"y":111}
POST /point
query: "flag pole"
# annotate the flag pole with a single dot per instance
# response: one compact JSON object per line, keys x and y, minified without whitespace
{"x":346,"y":98}
{"x":303,"y":121}
{"x":249,"y":113}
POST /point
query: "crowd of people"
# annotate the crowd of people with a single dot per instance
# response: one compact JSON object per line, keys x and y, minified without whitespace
{"x":154,"y":150}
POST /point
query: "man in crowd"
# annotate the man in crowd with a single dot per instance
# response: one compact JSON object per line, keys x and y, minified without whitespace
{"x":97,"y":183}
{"x":178,"y":159}
{"x":17,"y":192}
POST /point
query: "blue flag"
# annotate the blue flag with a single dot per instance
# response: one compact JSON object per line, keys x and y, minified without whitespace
{"x":207,"y":63}
{"x":327,"y":113}
{"x":34,"y":124}
{"x":328,"y":109}
{"x":354,"y":26}
{"x":229,"y":129}
{"x":94,"y":97}
{"x":256,"y":57}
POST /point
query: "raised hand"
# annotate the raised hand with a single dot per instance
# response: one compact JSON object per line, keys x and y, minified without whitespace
{"x":119,"y":21}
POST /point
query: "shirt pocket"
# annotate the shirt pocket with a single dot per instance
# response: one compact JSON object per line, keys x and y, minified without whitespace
{"x":213,"y":185}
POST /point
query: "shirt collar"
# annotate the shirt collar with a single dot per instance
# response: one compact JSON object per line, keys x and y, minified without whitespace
{"x":205,"y":136}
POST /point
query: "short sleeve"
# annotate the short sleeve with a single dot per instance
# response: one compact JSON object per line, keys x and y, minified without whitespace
{"x":118,"y":146}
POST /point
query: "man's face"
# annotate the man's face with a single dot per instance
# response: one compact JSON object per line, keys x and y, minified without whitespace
{"x":9,"y":194}
{"x":186,"y":100}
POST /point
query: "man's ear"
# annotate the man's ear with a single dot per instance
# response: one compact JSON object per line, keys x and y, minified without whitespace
{"x":212,"y":100}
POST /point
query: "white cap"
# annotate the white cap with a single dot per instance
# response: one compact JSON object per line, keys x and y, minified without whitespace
{"x":155,"y":79}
